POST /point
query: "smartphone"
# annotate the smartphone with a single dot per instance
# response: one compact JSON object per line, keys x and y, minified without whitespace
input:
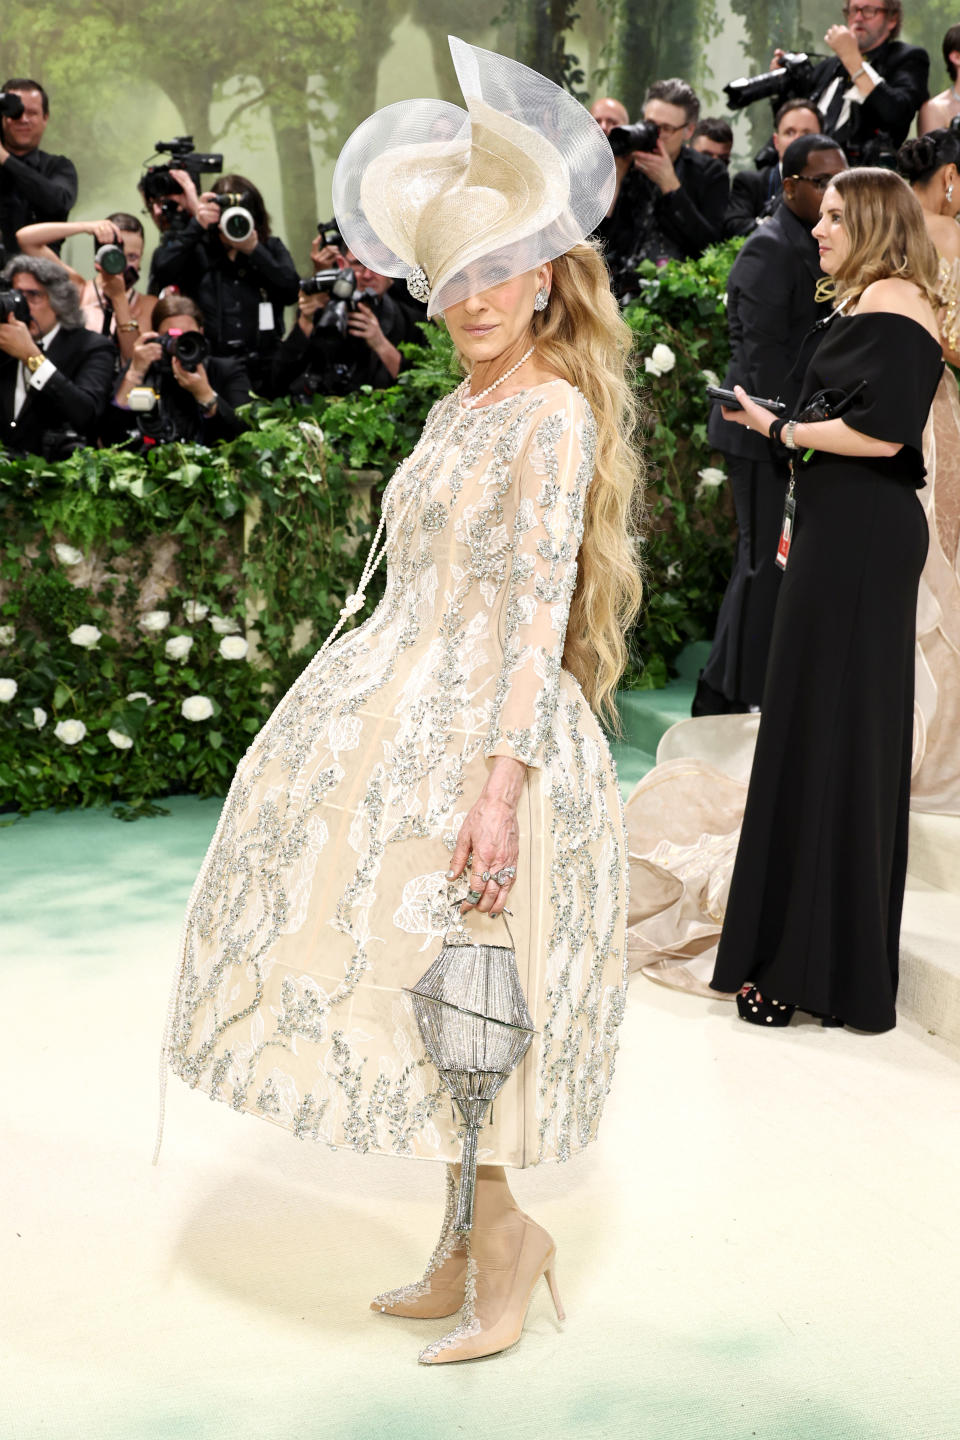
{"x":776,"y":407}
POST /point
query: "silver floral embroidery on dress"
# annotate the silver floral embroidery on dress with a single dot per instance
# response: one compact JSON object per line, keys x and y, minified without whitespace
{"x":325,"y":884}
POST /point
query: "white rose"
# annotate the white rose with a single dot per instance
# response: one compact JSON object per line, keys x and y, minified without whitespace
{"x":139,"y":695}
{"x":651,"y":366}
{"x":709,"y":479}
{"x":7,"y":634}
{"x":117,"y":737}
{"x":71,"y":732}
{"x":68,"y":554}
{"x":196,"y":707}
{"x":233,"y":647}
{"x":224,"y":625}
{"x":39,"y":717}
{"x":664,"y":358}
{"x":178,"y":647}
{"x":155,"y":620}
{"x":711,"y":377}
{"x":8,"y":688}
{"x":85,"y":636}
{"x":194,"y":611}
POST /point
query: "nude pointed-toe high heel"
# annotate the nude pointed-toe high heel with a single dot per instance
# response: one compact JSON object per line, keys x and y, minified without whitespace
{"x":441,"y":1289}
{"x":496,"y":1302}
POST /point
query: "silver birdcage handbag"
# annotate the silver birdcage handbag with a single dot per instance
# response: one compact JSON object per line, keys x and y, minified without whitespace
{"x":476,"y":1028}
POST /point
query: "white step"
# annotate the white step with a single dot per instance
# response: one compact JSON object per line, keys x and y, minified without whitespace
{"x":930,"y":959}
{"x":935,"y":851}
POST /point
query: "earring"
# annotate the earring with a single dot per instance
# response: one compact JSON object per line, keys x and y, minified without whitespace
{"x":541,"y":299}
{"x":949,"y":192}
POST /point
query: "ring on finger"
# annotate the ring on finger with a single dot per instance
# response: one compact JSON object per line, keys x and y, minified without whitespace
{"x":509,"y":872}
{"x":473,"y":896}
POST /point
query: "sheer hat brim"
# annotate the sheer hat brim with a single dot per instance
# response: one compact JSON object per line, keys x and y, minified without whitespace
{"x":473,"y":197}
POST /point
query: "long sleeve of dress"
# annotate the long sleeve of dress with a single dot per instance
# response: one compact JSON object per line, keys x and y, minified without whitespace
{"x":555,"y":468}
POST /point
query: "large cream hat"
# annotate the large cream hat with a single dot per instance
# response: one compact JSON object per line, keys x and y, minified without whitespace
{"x":456,"y":201}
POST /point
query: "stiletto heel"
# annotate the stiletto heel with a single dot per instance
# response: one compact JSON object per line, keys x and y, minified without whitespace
{"x":550,"y":1275}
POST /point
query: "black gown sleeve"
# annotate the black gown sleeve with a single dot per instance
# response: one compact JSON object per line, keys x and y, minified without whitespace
{"x":901,"y":364}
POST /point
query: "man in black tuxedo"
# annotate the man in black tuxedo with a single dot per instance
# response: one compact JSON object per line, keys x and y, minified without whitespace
{"x":55,"y":375}
{"x":771,"y":311}
{"x":34,"y":185}
{"x":669,"y":202}
{"x":868,"y":95}
{"x":755,"y":194}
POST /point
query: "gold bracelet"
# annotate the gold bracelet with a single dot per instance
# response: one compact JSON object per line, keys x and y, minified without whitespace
{"x":129,"y":325}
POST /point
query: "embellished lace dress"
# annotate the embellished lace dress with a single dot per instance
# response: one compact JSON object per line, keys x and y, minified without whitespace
{"x":323,"y":893}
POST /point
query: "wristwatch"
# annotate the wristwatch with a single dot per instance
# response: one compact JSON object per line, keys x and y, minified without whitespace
{"x":33,"y":363}
{"x":207,"y":410}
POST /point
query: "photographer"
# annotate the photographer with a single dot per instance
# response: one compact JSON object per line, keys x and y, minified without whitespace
{"x":55,"y":377}
{"x":240,"y":275}
{"x":868,"y":95}
{"x":755,"y":194}
{"x":111,"y":303}
{"x":194,"y":398}
{"x":322,"y":358}
{"x":771,"y":311}
{"x":713,"y":136}
{"x":33,"y":184}
{"x":670,"y":200}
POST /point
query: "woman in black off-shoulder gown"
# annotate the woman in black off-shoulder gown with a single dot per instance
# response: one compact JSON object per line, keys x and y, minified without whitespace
{"x":813,"y":917}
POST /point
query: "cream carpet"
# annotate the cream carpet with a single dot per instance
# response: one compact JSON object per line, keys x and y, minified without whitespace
{"x":764,"y":1242}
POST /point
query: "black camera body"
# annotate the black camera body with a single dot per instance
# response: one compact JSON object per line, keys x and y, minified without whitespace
{"x":14,"y":302}
{"x":157,"y":182}
{"x":329,"y":232}
{"x":190,"y":347}
{"x":792,"y":80}
{"x":628,"y":139}
{"x":11,"y":104}
{"x":236,"y":221}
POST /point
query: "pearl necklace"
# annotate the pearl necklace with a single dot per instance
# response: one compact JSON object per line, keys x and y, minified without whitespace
{"x":472,"y":401}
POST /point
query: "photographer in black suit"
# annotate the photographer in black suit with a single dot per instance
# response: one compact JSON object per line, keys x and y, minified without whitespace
{"x":771,"y":310}
{"x":670,"y":201}
{"x":867,"y":96}
{"x":34,"y":185}
{"x":55,"y":374}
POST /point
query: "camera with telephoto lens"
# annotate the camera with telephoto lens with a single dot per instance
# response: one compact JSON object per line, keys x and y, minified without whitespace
{"x":628,"y":139}
{"x":236,"y":221}
{"x":190,"y":347}
{"x":110,"y":257}
{"x":341,"y":286}
{"x":791,"y":80}
{"x":11,"y":104}
{"x":14,"y":302}
{"x":157,"y":182}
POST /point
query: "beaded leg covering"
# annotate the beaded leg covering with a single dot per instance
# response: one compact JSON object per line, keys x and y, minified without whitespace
{"x":469,"y":1324}
{"x":428,"y":1298}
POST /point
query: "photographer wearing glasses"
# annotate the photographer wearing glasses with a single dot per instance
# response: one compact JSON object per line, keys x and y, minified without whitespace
{"x":33,"y":184}
{"x":670,"y":200}
{"x":868,"y":96}
{"x":771,"y":310}
{"x":55,"y":375}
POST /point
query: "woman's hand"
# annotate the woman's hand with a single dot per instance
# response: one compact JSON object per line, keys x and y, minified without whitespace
{"x":754,"y":417}
{"x":491,"y":836}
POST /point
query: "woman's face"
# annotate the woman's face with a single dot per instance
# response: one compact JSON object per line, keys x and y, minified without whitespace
{"x":829,"y":233}
{"x":497,"y":320}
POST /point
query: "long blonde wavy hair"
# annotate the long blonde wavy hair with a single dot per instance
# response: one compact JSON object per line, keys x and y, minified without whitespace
{"x":583,"y":337}
{"x":888,"y":237}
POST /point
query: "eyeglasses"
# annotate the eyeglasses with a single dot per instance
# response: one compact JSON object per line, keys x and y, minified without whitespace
{"x":819,"y":182}
{"x":666,"y":129}
{"x":864,"y":12}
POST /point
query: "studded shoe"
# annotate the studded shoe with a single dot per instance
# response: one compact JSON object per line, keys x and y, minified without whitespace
{"x":441,"y":1290}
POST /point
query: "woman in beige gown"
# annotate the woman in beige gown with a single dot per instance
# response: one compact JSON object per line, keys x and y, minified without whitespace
{"x":683,"y":818}
{"x":456,"y":719}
